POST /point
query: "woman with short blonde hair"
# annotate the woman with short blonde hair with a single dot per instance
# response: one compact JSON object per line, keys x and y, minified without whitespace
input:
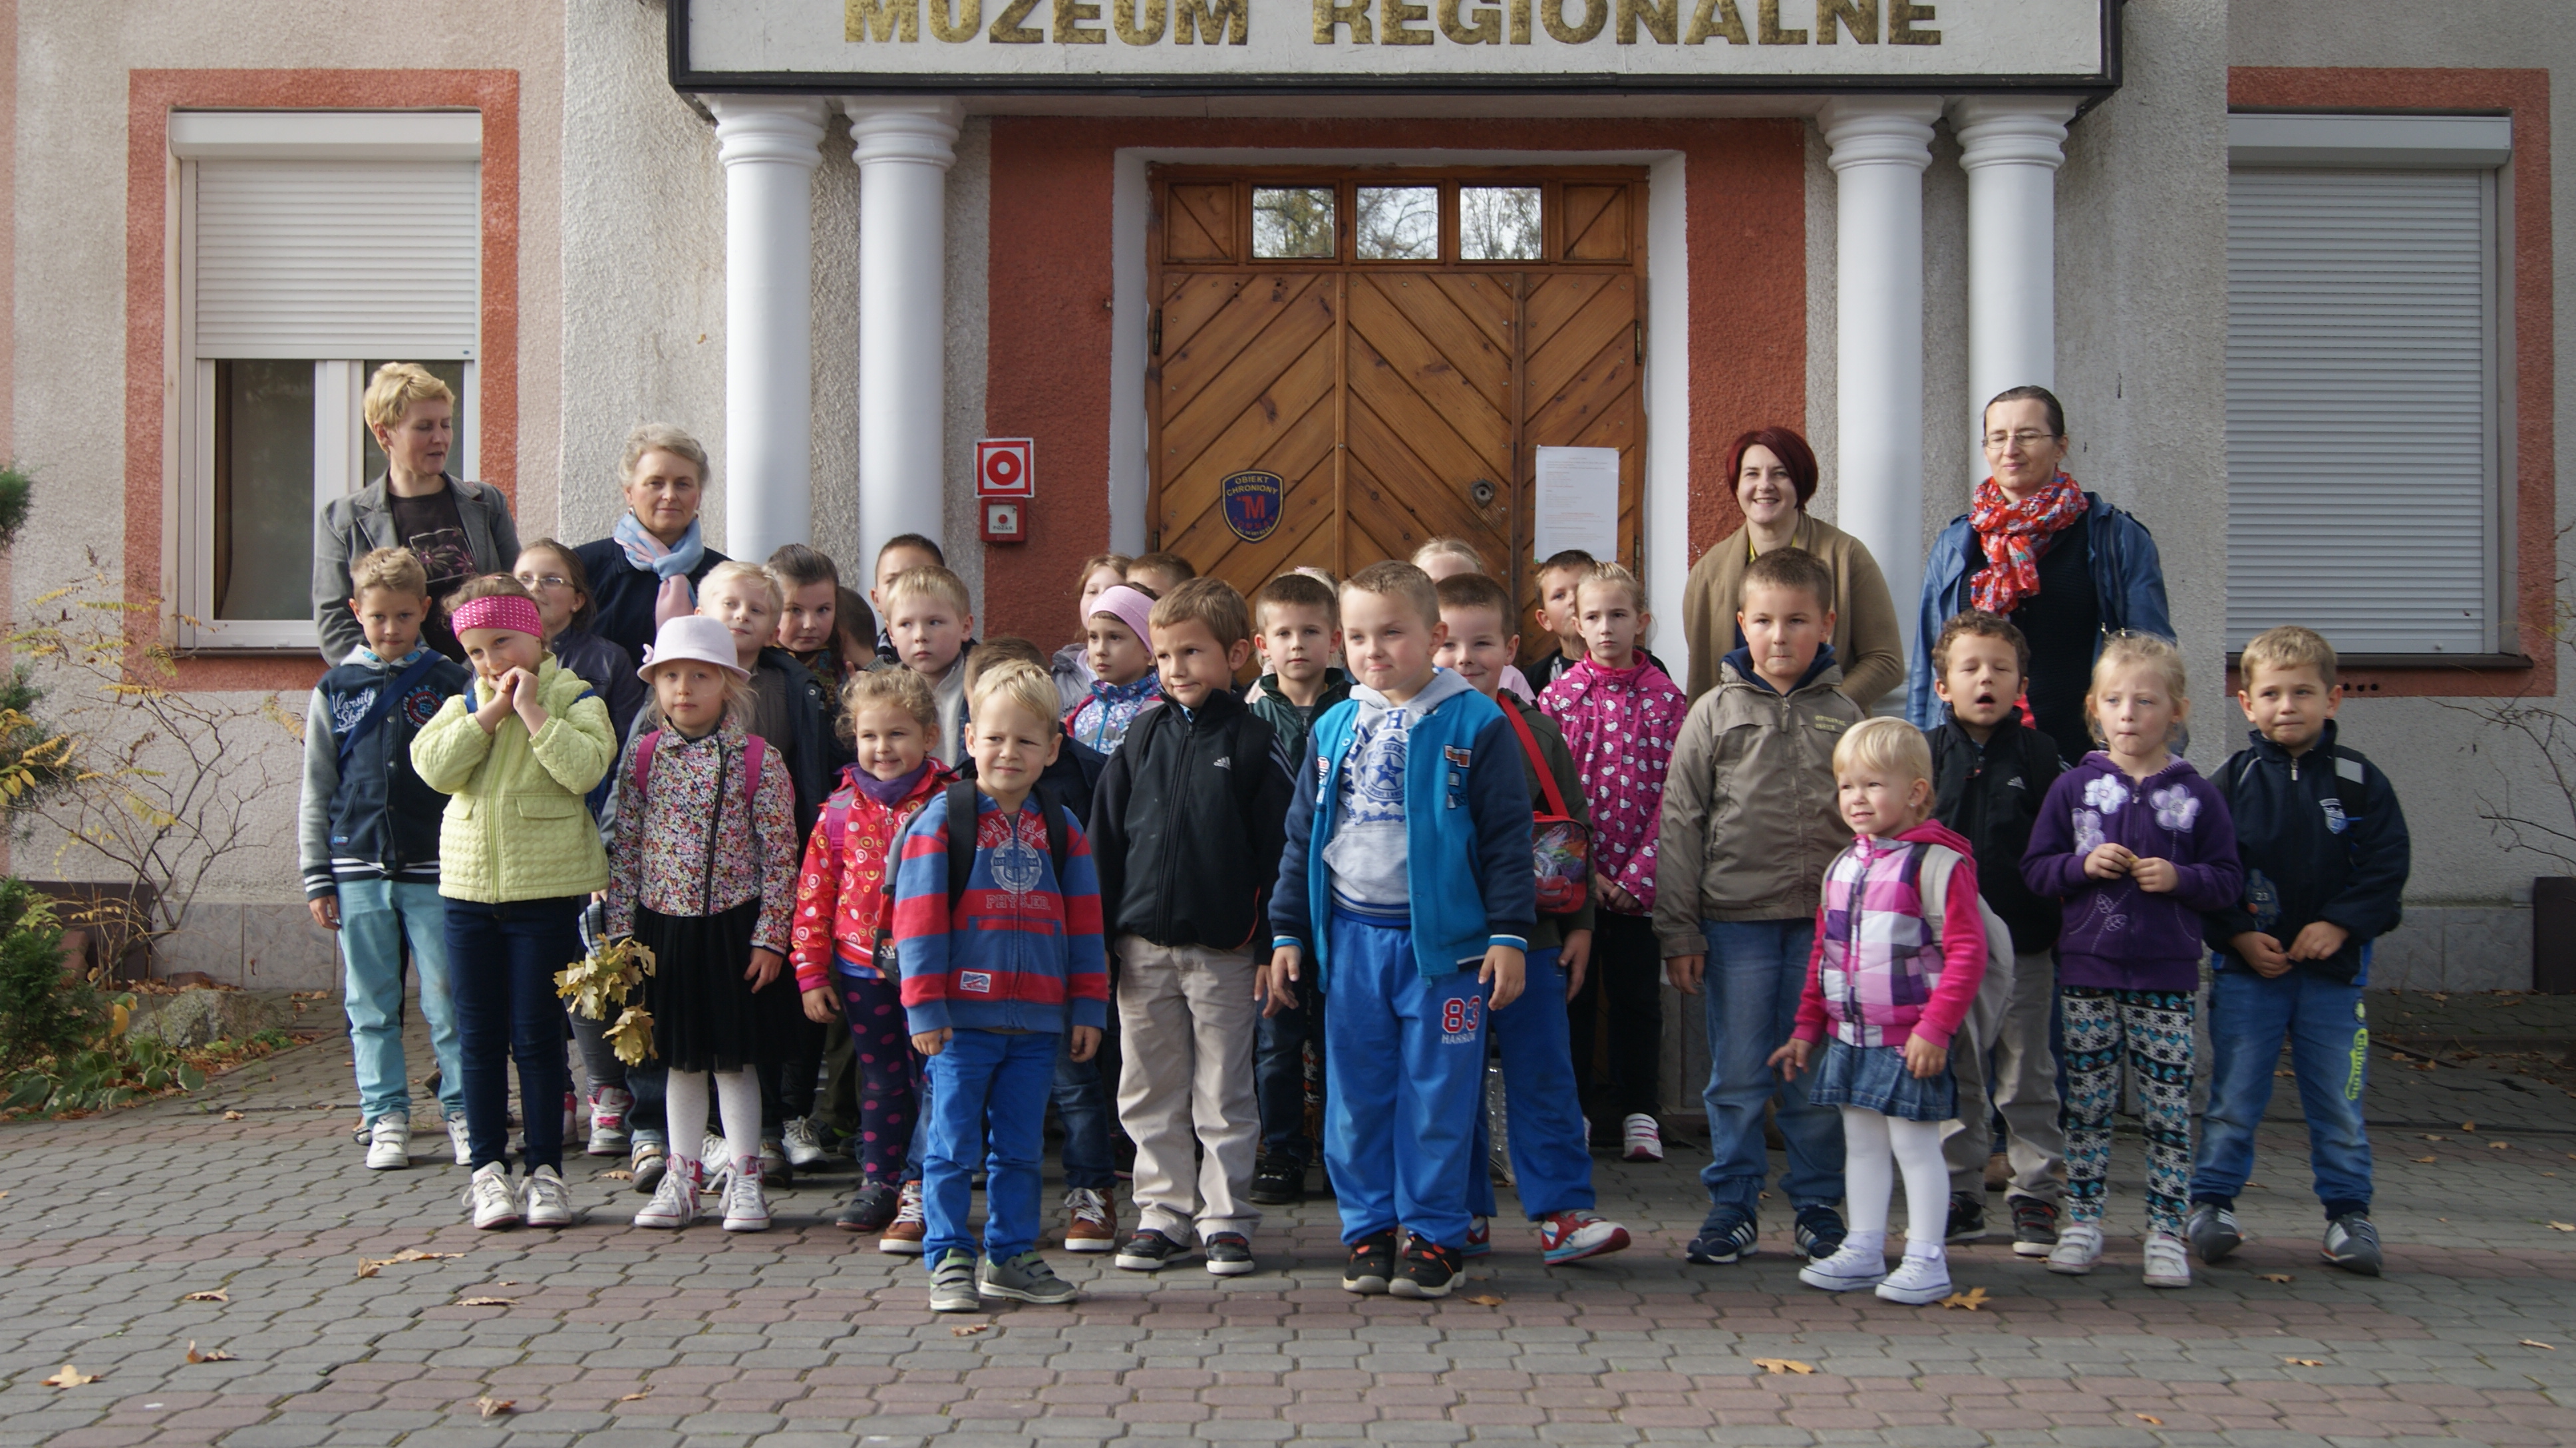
{"x":649,"y":567}
{"x":459,"y":529}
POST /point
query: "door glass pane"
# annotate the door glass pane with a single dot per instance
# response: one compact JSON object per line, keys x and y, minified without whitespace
{"x":1498,"y":223}
{"x":1291,"y":222}
{"x":263,"y":490}
{"x":1398,"y":223}
{"x":372,"y":465}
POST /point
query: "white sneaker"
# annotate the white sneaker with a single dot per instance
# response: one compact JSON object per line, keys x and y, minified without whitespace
{"x":1644,"y":1138}
{"x":2079,"y":1246}
{"x":548,"y":1206}
{"x":389,"y":1142}
{"x":2168,"y":1260}
{"x":461,"y":1138}
{"x":494,"y":1200}
{"x":712,"y":1149}
{"x":1848,"y":1270}
{"x":804,"y":1146}
{"x":746,"y":1206}
{"x":675,"y":1200}
{"x":1919,"y":1281}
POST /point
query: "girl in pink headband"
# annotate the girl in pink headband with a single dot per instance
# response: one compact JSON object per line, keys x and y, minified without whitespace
{"x":1121,"y":648}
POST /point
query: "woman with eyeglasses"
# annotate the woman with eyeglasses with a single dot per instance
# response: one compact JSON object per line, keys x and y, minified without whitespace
{"x":2067,"y":568}
{"x":561,"y":586}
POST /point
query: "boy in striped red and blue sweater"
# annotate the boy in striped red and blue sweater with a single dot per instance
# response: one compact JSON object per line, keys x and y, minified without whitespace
{"x":998,"y":963}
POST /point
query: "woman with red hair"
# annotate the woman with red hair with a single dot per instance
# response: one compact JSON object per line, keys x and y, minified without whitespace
{"x":1773,"y":473}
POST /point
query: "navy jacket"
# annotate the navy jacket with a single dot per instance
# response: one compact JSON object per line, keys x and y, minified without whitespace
{"x":2309,"y":855}
{"x":621,"y":594}
{"x":370,"y":817}
{"x":2128,"y":580}
{"x":1188,"y":825}
{"x":1992,"y":795}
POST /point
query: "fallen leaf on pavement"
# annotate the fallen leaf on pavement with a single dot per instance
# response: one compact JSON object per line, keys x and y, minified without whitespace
{"x":2468,"y":1126}
{"x":2543,"y":1346}
{"x":2427,"y":1159}
{"x":210,"y":1355}
{"x":619,"y":1174}
{"x":367,"y":1266}
{"x":2272,"y":1276}
{"x":232,"y":1116}
{"x":2148,"y":1418}
{"x":1777,"y":1366}
{"x":1974,"y":1299}
{"x":636,"y":1397}
{"x":2305,"y":1362}
{"x":213,"y":1294}
{"x":2562,"y":1226}
{"x":2254,"y":1186}
{"x":70,"y":1377}
{"x":2499,"y":1145}
{"x":486,"y":1301}
{"x":970,"y":1329}
{"x":1486,"y":1299}
{"x":494,"y":1407}
{"x":2430,"y":1137}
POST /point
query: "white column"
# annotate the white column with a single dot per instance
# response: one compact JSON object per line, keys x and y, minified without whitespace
{"x":2011,"y":147}
{"x":904,"y":147}
{"x":1881,"y":146}
{"x":770,"y":146}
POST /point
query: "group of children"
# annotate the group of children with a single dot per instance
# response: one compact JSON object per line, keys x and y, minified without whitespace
{"x":1289,"y":924}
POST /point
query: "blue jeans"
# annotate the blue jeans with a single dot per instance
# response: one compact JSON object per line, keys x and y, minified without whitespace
{"x":1082,"y":1104}
{"x":502,"y":961}
{"x":985,"y":1087}
{"x":2329,"y":1057}
{"x":1551,"y":1161}
{"x":1279,"y":1071}
{"x":1756,"y":969}
{"x":376,"y":917}
{"x":1408,"y":1070}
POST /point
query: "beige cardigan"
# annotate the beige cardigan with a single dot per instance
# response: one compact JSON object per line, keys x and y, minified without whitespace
{"x":1866,"y":641}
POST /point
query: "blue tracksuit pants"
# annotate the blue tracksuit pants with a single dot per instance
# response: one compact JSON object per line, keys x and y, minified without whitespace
{"x":989,"y":1087}
{"x":1551,"y":1162}
{"x":1399,"y":1142}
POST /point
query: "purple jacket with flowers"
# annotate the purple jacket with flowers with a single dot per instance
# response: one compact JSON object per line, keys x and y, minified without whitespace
{"x":2117,"y":935}
{"x":1620,"y":725}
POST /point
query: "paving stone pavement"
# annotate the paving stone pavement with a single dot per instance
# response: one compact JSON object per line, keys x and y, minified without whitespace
{"x":803,"y":1337}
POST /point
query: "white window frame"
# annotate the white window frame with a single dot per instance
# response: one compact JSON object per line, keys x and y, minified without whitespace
{"x":339,"y":441}
{"x":2310,"y":141}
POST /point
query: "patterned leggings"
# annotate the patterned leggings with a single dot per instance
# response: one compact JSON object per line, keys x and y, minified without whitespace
{"x":889,"y":1073}
{"x":2155,"y":1028}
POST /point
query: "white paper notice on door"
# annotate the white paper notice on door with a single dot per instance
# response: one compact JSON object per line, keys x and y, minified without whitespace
{"x":1578,"y":502}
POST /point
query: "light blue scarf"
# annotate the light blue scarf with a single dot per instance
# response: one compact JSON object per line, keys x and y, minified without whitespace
{"x":649,"y":555}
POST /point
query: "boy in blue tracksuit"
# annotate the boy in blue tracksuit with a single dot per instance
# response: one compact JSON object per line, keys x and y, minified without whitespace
{"x":367,"y":835}
{"x":1407,"y":874}
{"x":2326,"y":855}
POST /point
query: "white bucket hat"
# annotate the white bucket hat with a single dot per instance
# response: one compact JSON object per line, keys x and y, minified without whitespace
{"x":694,"y":638}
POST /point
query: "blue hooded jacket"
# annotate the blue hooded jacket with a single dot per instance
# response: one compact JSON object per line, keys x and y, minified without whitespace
{"x":2128,"y":581}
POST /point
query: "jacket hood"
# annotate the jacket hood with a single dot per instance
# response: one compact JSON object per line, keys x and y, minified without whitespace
{"x":1444,"y":686}
{"x":1741,"y":661}
{"x":1933,"y":832}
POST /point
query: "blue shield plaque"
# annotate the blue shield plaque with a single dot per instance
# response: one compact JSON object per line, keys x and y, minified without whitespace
{"x":1252,"y":501}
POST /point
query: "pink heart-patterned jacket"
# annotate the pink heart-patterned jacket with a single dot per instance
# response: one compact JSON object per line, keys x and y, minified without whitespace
{"x":1620,"y":725}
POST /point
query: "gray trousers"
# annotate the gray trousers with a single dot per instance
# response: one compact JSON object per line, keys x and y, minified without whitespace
{"x":2003,"y":1064}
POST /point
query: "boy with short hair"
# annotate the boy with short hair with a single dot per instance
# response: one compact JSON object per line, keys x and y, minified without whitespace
{"x":1551,"y":1160}
{"x":1407,"y":878}
{"x":896,"y":557}
{"x":1989,"y":773}
{"x":1557,"y":578}
{"x":367,"y":832}
{"x":930,"y":626}
{"x":1164,"y":573}
{"x":1187,"y":831}
{"x":809,"y":588}
{"x":1750,"y":822}
{"x":2326,"y":855}
{"x":993,"y":975}
{"x":1299,"y":628}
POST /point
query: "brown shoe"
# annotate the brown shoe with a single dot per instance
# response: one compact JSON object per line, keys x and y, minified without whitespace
{"x":1093,"y":1221}
{"x":903,"y":1235}
{"x":1998,"y":1172}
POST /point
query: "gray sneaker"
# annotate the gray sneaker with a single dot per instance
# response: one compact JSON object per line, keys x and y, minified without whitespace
{"x":952,"y":1283}
{"x":2352,"y":1244}
{"x":1025,"y":1278}
{"x":2212,"y":1231}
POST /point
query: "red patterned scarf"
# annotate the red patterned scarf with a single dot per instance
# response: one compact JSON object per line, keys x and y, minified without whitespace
{"x":2011,"y":533}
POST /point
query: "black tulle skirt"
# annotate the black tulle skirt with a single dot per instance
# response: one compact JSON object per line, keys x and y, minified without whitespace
{"x":705,"y":1015}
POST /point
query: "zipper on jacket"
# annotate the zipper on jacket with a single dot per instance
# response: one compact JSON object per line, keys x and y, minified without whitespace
{"x":1163,"y":903}
{"x":715,"y":821}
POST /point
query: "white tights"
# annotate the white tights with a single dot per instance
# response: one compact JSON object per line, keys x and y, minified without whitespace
{"x":1870,"y":1142}
{"x":684,"y":1112}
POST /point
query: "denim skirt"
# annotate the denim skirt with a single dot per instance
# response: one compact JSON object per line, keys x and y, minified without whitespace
{"x":1874,"y":1078}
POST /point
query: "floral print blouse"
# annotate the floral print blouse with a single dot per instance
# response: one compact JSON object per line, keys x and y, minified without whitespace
{"x":697,"y":842}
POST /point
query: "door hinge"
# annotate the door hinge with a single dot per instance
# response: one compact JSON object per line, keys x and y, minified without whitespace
{"x":1154,"y":334}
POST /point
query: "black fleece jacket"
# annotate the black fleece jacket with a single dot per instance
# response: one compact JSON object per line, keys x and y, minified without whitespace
{"x":1991,"y":794}
{"x":1188,"y":824}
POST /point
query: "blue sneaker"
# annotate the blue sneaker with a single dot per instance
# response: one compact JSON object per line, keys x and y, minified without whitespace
{"x":1727,"y":1236}
{"x":1820,"y":1232}
{"x":1480,"y":1237}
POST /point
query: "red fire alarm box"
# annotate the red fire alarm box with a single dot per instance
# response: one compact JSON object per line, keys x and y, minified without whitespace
{"x":1005,"y":521}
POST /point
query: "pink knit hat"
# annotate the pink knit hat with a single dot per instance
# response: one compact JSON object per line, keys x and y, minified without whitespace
{"x":1129,"y":606}
{"x":499,"y":610}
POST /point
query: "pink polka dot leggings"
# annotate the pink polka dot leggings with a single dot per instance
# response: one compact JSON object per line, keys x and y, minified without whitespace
{"x":889,"y":1072}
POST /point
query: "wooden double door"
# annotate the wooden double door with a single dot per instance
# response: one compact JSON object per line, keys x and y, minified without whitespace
{"x":1396,"y":400}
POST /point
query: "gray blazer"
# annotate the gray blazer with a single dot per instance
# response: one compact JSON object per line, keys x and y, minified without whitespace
{"x":354,"y":526}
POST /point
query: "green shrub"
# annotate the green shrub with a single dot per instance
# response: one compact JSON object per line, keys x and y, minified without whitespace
{"x":43,"y":1013}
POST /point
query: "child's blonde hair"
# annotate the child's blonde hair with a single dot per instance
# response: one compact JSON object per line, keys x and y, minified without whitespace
{"x":397,"y":570}
{"x":930,"y":579}
{"x":2286,"y":647}
{"x":1117,"y":563}
{"x":901,"y":688}
{"x":734,"y":570}
{"x":1611,"y":575}
{"x":1015,"y":682}
{"x":1405,"y":582}
{"x":2129,"y":649}
{"x":1445,"y":546}
{"x":1209,"y":601}
{"x":1891,"y":746}
{"x":737,"y":709}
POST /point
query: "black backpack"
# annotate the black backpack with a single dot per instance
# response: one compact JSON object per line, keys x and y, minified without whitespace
{"x":961,"y":860}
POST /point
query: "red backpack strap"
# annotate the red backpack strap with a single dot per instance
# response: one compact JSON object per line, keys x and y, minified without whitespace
{"x":644,"y":748}
{"x":1538,"y":764}
{"x":755,"y":750}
